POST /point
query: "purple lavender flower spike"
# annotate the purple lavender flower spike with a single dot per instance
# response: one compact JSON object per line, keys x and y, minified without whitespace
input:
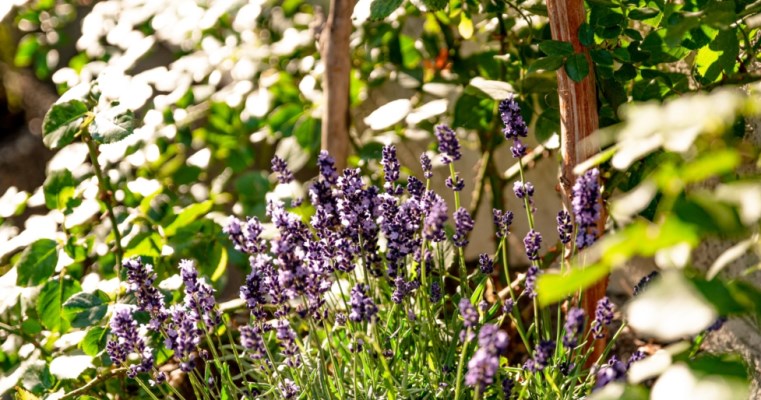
{"x":716,"y":325}
{"x":362,"y":306}
{"x":543,"y":354}
{"x":433,"y":226}
{"x":636,"y":356}
{"x":507,"y":308}
{"x":183,"y":336}
{"x":603,"y":317}
{"x":279,"y":166}
{"x":510,"y":113}
{"x":245,"y":236}
{"x":287,"y":338}
{"x":485,"y":264}
{"x":523,"y":190}
{"x":530,"y":286}
{"x":507,"y":387}
{"x":484,"y":364}
{"x":468,"y":312}
{"x":565,"y":229}
{"x":288,"y":389}
{"x":574,"y":325}
{"x":586,"y":207}
{"x":463,"y":225}
{"x":251,"y":339}
{"x":140,"y":279}
{"x":126,"y":340}
{"x":456,"y":184}
{"x":532,"y":242}
{"x":642,"y":284}
{"x":518,"y":150}
{"x":390,"y":167}
{"x":613,"y":371}
{"x":502,"y":220}
{"x":199,"y":296}
{"x":327,"y":167}
{"x":449,"y":146}
{"x":425,"y":162}
{"x":436,"y":294}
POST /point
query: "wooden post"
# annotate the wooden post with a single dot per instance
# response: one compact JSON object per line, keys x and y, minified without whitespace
{"x":578,"y":119}
{"x":337,"y":58}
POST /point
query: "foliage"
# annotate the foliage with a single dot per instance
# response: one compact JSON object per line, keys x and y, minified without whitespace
{"x":173,"y":148}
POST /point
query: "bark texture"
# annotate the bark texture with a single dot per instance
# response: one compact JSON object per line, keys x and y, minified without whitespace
{"x":336,"y":56}
{"x":578,"y":119}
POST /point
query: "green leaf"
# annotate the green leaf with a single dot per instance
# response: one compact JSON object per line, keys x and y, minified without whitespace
{"x":62,"y":122}
{"x":626,"y":73}
{"x":380,"y":9}
{"x":552,"y":288}
{"x":586,"y":35}
{"x":644,"y":13}
{"x":719,"y":56}
{"x":25,"y":50}
{"x":50,"y":303}
{"x":435,"y":5}
{"x":59,"y":188}
{"x":112,"y":125}
{"x":188,"y":215}
{"x":556,"y":48}
{"x":23,"y":394}
{"x":550,"y":63}
{"x":547,"y":125}
{"x":577,"y":67}
{"x":218,"y":257}
{"x":85,"y":309}
{"x":37,"y":263}
{"x":31,"y":326}
{"x":411,"y":57}
{"x":601,"y":57}
{"x":94,"y":341}
{"x":147,"y":244}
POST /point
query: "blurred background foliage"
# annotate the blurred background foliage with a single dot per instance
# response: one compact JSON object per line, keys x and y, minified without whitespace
{"x":219,"y":87}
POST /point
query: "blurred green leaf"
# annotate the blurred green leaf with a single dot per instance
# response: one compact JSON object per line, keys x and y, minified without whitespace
{"x":550,"y":63}
{"x":718,"y":57}
{"x":554,"y":287}
{"x":94,"y":341}
{"x":112,"y":125}
{"x":577,"y":67}
{"x":58,"y":189}
{"x":62,"y":123}
{"x":85,"y":309}
{"x":380,"y":9}
{"x":643,"y":13}
{"x":188,"y":215}
{"x":50,"y":303}
{"x":556,"y":48}
{"x":586,"y":35}
{"x":37,"y":263}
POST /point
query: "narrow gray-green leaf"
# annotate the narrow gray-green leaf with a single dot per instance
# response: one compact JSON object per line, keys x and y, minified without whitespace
{"x":62,"y":122}
{"x":37,"y":263}
{"x":112,"y":125}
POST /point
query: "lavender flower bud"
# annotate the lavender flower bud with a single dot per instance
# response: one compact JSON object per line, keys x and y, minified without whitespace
{"x":518,"y":150}
{"x":644,"y":282}
{"x":463,"y":226}
{"x":251,"y":339}
{"x":603,"y":317}
{"x":288,"y":389}
{"x":502,"y":221}
{"x":613,"y":371}
{"x":435,"y":292}
{"x":485,"y":264}
{"x":245,"y":237}
{"x":390,"y":163}
{"x":468,"y":312}
{"x":586,"y":207}
{"x":543,"y":354}
{"x":636,"y":356}
{"x":327,"y":167}
{"x":362,"y":306}
{"x":199,"y":296}
{"x":524,"y":190}
{"x":574,"y":325}
{"x":279,"y":166}
{"x":530,"y":286}
{"x":716,"y":325}
{"x":449,"y":146}
{"x":140,"y":280}
{"x":433,"y":226}
{"x":482,"y":368}
{"x":510,"y":113}
{"x":126,"y":340}
{"x":565,"y":229}
{"x":507,"y":387}
{"x":457,"y":184}
{"x":532,"y":242}
{"x":425,"y":162}
{"x":507,"y":308}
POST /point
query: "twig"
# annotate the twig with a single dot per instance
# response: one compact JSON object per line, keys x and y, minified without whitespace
{"x":89,"y":385}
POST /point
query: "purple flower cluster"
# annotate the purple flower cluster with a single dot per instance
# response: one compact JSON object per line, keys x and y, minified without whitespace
{"x":502,"y":221}
{"x":483,"y":366}
{"x":362,"y":306}
{"x":518,"y":150}
{"x":485,"y":264}
{"x":279,"y":166}
{"x":574,"y":325}
{"x":425,"y":163}
{"x":287,"y":338}
{"x":532,"y":242}
{"x":126,"y":340}
{"x":436,"y":294}
{"x":542,"y":356}
{"x":613,"y":371}
{"x":199,"y":297}
{"x":642,"y":284}
{"x":449,"y":146}
{"x":515,"y":126}
{"x":524,"y":191}
{"x":402,"y":288}
{"x":251,"y":339}
{"x":463,"y":225}
{"x":390,"y":167}
{"x":456,"y":184}
{"x":507,"y":308}
{"x":586,"y":207}
{"x":140,"y":279}
{"x":288,"y":389}
{"x":603,"y":317}
{"x":245,"y":236}
{"x":433,"y":226}
{"x":565,"y":228}
{"x":530,"y":286}
{"x":468,"y":313}
{"x":183,"y":336}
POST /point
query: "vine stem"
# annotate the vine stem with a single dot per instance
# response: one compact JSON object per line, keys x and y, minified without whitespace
{"x":106,"y":194}
{"x":89,"y":385}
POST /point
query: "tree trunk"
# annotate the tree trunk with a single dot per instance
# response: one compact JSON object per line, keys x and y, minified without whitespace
{"x":578,"y":119}
{"x":336,"y":56}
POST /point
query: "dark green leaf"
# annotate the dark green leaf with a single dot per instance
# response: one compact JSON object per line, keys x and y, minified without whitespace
{"x":550,"y":63}
{"x":627,"y":72}
{"x":644,"y":13}
{"x":113,"y":124}
{"x":58,"y":188}
{"x":37,"y":263}
{"x":62,"y":123}
{"x":547,"y":125}
{"x":435,"y":5}
{"x":601,"y":57}
{"x":50,"y":303}
{"x":728,"y":365}
{"x":380,"y":9}
{"x":556,"y":48}
{"x":586,"y":35}
{"x":94,"y":341}
{"x":577,"y":67}
{"x":85,"y":309}
{"x":633,"y":33}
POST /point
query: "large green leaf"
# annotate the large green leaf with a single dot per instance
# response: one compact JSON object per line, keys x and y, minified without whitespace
{"x":112,"y":124}
{"x":187,"y":216}
{"x":577,"y":67}
{"x":94,"y":341}
{"x":50,"y":303}
{"x":556,"y":48}
{"x":552,"y":288}
{"x":37,"y":263}
{"x":380,"y":9}
{"x":59,"y":188}
{"x":550,"y":63}
{"x":62,"y":122}
{"x":719,"y":56}
{"x":85,"y":309}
